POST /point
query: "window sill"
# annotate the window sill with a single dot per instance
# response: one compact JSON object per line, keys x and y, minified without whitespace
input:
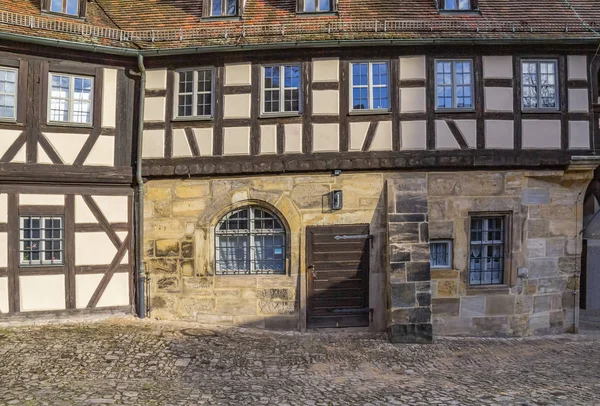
{"x":221,"y":18}
{"x":280,"y":115}
{"x":457,"y":110}
{"x":540,"y":111}
{"x":475,"y":12}
{"x":48,"y":13}
{"x":8,"y":120}
{"x":369,"y":112}
{"x":488,"y":290}
{"x":73,"y":125}
{"x":34,"y":266}
{"x":192,"y":118}
{"x":310,"y":14}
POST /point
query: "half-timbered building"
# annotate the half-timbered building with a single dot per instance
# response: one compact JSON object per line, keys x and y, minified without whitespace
{"x":412,"y":166}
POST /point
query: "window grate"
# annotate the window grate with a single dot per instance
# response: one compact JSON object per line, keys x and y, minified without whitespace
{"x":250,"y":241}
{"x":487,"y":251}
{"x":41,"y":240}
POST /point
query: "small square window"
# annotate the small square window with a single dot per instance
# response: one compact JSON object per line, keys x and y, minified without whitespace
{"x":487,"y":251}
{"x":42,"y":240}
{"x":454,"y":84}
{"x":441,"y":254}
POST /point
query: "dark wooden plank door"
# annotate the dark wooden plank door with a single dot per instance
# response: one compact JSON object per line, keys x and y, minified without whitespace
{"x":338,"y":276}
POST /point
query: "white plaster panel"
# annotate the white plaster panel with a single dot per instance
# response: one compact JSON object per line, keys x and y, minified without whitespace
{"x":383,"y":137}
{"x":358,"y":133}
{"x":413,"y":134}
{"x":497,"y":67}
{"x":3,"y":295}
{"x":103,"y":152}
{"x":577,"y":67}
{"x":67,"y":146}
{"x":3,"y":250}
{"x":498,"y":99}
{"x":41,"y":200}
{"x":412,"y":67}
{"x":236,"y":141}
{"x":237,"y":105}
{"x":543,"y":134}
{"x":153,"y":144}
{"x":204,"y":138}
{"x":83,"y":214}
{"x":93,"y":248}
{"x":3,"y":208}
{"x":85,"y":287}
{"x":42,"y":157}
{"x":443,"y":136}
{"x":123,"y":235}
{"x":20,"y":156}
{"x":412,"y":100}
{"x":156,"y":79}
{"x":326,"y":70}
{"x":114,"y":208}
{"x":468,"y":128}
{"x":117,"y":291}
{"x":293,"y":138}
{"x":579,"y":135}
{"x":154,"y":108}
{"x":326,"y":102}
{"x":7,"y":138}
{"x":109,"y":98}
{"x":578,"y":100}
{"x":42,"y":292}
{"x":238,"y":74}
{"x":268,"y":139}
{"x":499,"y":134}
{"x":326,"y":137}
{"x":181,"y":147}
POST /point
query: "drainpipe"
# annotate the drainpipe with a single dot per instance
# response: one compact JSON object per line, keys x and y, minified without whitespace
{"x":139,"y":201}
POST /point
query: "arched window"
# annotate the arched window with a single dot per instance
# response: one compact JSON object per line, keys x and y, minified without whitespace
{"x":250,"y":240}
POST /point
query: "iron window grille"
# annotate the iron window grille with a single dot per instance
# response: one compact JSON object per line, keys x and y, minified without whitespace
{"x":250,"y":241}
{"x":440,"y":254}
{"x":41,"y":240}
{"x":223,"y":8}
{"x":8,"y":93}
{"x":539,"y":79}
{"x":195,"y":93}
{"x":369,"y":84}
{"x":454,"y":84}
{"x":486,"y":265}
{"x":71,"y":98}
{"x":281,"y":88}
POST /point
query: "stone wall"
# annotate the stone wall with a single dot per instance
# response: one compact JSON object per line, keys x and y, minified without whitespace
{"x":180,"y":216}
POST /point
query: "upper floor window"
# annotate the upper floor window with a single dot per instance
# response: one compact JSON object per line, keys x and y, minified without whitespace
{"x":70,"y":98}
{"x":538,"y":84}
{"x":74,"y":8}
{"x":222,"y":8}
{"x":456,"y":5}
{"x":316,"y":6}
{"x":281,"y":88}
{"x":250,"y":241}
{"x":195,"y":93}
{"x":369,"y":82}
{"x":41,"y":240}
{"x":454,"y":84}
{"x":486,"y":266}
{"x":8,"y":93}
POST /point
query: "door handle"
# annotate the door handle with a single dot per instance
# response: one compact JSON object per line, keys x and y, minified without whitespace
{"x":311,"y":268}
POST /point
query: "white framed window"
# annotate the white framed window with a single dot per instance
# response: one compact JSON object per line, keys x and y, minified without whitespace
{"x":281,"y":88}
{"x":70,"y":7}
{"x":440,"y":254}
{"x":486,"y":253}
{"x":222,"y":8}
{"x":369,"y":86}
{"x":317,"y":6}
{"x":71,"y":99}
{"x":249,"y":241}
{"x":41,"y":240}
{"x":454,"y":5}
{"x":8,"y":93}
{"x":194,"y":95}
{"x":539,"y":79}
{"x":454,"y":84}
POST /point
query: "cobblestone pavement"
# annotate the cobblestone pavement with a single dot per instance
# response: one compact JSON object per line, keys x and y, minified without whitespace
{"x":151,"y":363}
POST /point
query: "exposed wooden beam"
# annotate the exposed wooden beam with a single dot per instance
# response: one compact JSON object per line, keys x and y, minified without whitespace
{"x":109,"y":273}
{"x":104,"y":224}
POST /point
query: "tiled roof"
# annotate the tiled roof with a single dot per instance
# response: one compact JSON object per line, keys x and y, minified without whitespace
{"x":156,"y":24}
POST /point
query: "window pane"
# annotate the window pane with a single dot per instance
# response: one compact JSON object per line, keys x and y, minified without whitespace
{"x":310,"y":6}
{"x":72,"y":7}
{"x":359,"y":74}
{"x":359,"y":97}
{"x":217,"y":8}
{"x":292,"y":76}
{"x":231,"y":7}
{"x":440,"y":254}
{"x":380,"y":74}
{"x":56,"y":6}
{"x":464,"y":5}
{"x":324,"y":5}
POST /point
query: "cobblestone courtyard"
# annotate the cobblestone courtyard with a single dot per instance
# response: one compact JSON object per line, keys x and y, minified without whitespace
{"x":133,"y":362}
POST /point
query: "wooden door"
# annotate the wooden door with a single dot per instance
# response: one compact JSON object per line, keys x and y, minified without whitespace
{"x":338,"y":276}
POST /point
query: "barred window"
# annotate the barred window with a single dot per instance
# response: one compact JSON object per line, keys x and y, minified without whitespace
{"x":487,"y":250}
{"x":454,"y":84}
{"x":250,"y":241}
{"x":539,"y":85}
{"x":281,"y":89}
{"x":440,"y":254}
{"x":41,"y":240}
{"x":70,"y":99}
{"x":195,"y":93}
